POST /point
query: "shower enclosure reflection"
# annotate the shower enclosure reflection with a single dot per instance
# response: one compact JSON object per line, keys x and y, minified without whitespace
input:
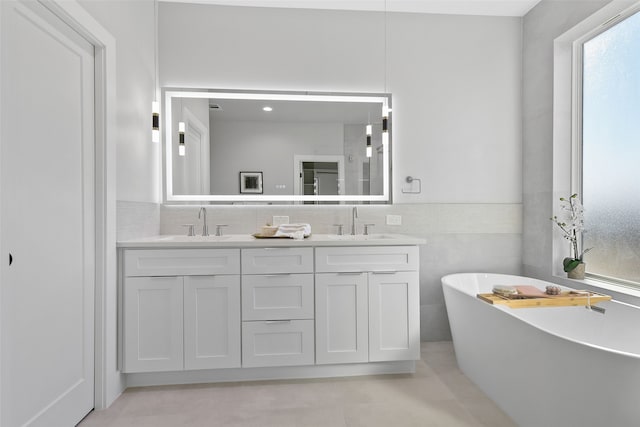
{"x":309,"y":148}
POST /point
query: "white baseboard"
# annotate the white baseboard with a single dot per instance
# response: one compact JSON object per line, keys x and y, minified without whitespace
{"x":273,"y":373}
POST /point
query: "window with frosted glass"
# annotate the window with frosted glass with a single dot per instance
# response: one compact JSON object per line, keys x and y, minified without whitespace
{"x":611,"y":151}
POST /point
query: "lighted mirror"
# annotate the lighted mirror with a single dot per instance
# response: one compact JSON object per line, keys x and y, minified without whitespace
{"x":276,"y":147}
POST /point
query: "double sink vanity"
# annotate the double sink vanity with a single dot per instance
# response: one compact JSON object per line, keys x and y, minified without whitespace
{"x":235,"y":307}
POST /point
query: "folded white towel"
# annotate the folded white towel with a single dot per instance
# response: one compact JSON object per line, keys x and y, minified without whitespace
{"x":295,"y":231}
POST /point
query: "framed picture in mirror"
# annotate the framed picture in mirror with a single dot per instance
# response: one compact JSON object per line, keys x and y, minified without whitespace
{"x":251,"y":182}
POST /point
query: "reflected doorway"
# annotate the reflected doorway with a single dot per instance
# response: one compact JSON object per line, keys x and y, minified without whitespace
{"x":319,"y":176}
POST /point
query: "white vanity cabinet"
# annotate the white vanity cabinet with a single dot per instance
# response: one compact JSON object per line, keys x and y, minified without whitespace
{"x":181,"y":309}
{"x":277,"y":307}
{"x":367,"y":304}
{"x":193,"y":310}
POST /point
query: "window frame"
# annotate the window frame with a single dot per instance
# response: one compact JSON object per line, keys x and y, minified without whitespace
{"x":577,"y":142}
{"x":567,"y":128}
{"x":577,"y":89}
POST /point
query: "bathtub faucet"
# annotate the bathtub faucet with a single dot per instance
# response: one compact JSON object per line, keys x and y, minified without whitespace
{"x":596,"y":308}
{"x":589,"y":306}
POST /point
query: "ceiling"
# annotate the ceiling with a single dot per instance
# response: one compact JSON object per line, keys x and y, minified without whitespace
{"x":455,"y":7}
{"x":296,"y":112}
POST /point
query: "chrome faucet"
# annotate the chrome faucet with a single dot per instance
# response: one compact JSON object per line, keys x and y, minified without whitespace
{"x":354,"y":215}
{"x":205,"y":229}
{"x":589,"y":306}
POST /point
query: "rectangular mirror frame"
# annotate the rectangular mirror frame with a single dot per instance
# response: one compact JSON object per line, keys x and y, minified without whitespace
{"x":170,"y":93}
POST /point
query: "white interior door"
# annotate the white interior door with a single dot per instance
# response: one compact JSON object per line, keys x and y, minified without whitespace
{"x":46,"y":219}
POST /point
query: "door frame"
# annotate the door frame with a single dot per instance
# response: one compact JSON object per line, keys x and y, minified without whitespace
{"x":109,"y":383}
{"x":298,"y":159}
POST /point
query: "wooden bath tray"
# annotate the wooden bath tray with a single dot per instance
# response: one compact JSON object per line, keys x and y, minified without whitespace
{"x":565,"y":299}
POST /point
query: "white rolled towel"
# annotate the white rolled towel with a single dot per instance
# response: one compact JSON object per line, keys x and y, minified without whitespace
{"x":295,"y":231}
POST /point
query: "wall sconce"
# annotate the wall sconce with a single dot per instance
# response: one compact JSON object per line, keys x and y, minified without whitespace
{"x":385,"y":117}
{"x":181,"y":147}
{"x":155,"y":105}
{"x":369,"y":149}
{"x":155,"y":121}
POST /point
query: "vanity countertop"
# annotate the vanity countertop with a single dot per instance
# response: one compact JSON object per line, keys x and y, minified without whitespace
{"x":247,"y":240}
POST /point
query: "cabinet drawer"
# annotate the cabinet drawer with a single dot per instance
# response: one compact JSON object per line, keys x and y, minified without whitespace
{"x":179,"y":262}
{"x":277,"y":260}
{"x":277,"y":297}
{"x":362,"y":258}
{"x":277,"y":343}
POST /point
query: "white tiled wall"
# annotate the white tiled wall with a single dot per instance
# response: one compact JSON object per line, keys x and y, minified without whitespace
{"x":137,"y":219}
{"x":460,"y":237}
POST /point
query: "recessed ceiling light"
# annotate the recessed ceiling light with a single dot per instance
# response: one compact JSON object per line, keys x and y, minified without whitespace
{"x":267,"y":108}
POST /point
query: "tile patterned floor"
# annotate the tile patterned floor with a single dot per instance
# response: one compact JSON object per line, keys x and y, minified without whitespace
{"x":438,"y":394}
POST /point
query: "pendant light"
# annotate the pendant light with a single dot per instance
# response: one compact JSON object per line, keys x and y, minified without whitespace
{"x":155,"y":105}
{"x":155,"y":121}
{"x":181,"y":130}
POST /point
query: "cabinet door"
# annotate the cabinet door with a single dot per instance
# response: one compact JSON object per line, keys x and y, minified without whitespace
{"x":152,"y":324}
{"x":394,"y":316}
{"x":342,"y":330}
{"x":211,"y":322}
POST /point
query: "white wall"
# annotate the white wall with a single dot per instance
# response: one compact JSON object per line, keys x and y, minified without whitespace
{"x":138,"y":164}
{"x":544,"y":23}
{"x":456,"y":86}
{"x":131,"y":23}
{"x":267,"y":147}
{"x":455,"y":80}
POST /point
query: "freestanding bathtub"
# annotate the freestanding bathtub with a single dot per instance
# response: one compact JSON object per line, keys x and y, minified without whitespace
{"x":553,"y":366}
